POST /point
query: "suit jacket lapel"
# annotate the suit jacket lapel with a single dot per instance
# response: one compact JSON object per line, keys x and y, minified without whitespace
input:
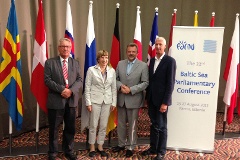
{"x":70,"y":69}
{"x":59,"y":66}
{"x":99,"y":72}
{"x":161,"y":63}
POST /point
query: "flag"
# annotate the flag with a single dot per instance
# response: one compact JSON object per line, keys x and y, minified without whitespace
{"x":231,"y":73}
{"x":90,"y":60}
{"x":138,"y":34}
{"x":69,"y":27}
{"x":174,"y":19}
{"x":38,"y":87}
{"x":212,"y":20}
{"x":10,"y":70}
{"x":114,"y":58}
{"x":154,"y":33}
{"x":115,"y":50}
{"x":196,"y":19}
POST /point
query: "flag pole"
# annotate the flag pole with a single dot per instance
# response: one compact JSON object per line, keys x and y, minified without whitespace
{"x":224,"y":120}
{"x":110,"y":132}
{"x":196,"y":19}
{"x":231,"y":74}
{"x":212,"y":19}
{"x":10,"y":135}
{"x":213,"y":14}
{"x":37,"y":127}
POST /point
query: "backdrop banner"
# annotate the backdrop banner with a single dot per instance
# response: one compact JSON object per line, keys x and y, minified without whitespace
{"x":192,"y":116}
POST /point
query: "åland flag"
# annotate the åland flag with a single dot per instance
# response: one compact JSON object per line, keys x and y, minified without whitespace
{"x":154,"y":33}
{"x":69,"y":27}
{"x":231,"y":74}
{"x":38,"y":87}
{"x":114,"y":59}
{"x":174,"y":19}
{"x":138,"y":34}
{"x":90,"y":60}
{"x":10,"y":70}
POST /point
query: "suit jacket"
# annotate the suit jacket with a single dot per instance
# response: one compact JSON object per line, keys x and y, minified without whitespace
{"x":137,"y":80}
{"x":54,"y":80}
{"x":96,"y":90}
{"x":161,"y":83}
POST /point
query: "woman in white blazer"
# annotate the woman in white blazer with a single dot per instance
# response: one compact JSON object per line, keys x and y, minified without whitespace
{"x":101,"y":97}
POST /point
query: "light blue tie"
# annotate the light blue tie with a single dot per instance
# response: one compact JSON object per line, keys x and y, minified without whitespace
{"x":129,"y":67}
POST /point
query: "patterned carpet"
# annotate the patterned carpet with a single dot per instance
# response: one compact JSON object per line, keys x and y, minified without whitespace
{"x":225,"y":148}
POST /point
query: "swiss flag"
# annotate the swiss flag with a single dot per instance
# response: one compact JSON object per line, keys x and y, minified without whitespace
{"x":231,"y":74}
{"x":38,"y":87}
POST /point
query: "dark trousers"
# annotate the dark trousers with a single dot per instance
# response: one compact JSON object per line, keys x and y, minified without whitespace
{"x":55,"y":118}
{"x":158,"y":129}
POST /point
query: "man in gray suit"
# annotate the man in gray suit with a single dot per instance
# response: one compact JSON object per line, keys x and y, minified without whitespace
{"x":62,"y":77}
{"x":132,"y":80}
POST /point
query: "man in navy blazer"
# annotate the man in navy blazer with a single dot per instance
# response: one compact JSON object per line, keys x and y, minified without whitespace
{"x":63,"y":98}
{"x":162,"y":70}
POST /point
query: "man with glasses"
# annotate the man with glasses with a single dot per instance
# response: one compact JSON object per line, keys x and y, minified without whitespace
{"x":62,"y":77}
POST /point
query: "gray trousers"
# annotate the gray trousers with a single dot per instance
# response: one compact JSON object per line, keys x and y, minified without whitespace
{"x":129,"y":116}
{"x":99,"y":114}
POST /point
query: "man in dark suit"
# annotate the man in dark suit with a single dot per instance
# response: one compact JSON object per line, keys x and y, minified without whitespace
{"x":62,"y":77}
{"x":162,"y":70}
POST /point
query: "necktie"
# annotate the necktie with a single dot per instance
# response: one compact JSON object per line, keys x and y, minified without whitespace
{"x":65,"y":72}
{"x":129,"y":67}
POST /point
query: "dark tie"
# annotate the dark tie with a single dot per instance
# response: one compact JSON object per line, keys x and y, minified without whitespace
{"x":65,"y":72}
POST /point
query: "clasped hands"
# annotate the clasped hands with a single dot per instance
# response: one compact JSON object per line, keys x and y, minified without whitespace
{"x":125,"y":89}
{"x":66,"y":93}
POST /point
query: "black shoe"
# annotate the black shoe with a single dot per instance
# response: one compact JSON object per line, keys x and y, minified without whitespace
{"x":103,"y":153}
{"x":52,"y":157}
{"x":148,"y":152}
{"x":70,"y":156}
{"x":159,"y":157}
{"x":129,"y":153}
{"x":92,"y":154}
{"x":117,"y":149}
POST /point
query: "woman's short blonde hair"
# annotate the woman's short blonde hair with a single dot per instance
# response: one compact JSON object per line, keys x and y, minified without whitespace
{"x":101,"y":53}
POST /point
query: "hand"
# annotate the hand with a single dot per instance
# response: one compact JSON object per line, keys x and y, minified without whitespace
{"x":163,"y":108}
{"x":125,"y":89}
{"x":89,"y":108}
{"x":66,"y":93}
{"x":112,"y":108}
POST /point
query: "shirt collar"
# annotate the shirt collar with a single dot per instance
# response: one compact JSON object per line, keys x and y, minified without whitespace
{"x":160,"y":57}
{"x":132,"y":61}
{"x":63,"y":59}
{"x":98,"y":67}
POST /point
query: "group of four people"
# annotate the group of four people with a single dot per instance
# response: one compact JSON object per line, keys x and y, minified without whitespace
{"x":105,"y":90}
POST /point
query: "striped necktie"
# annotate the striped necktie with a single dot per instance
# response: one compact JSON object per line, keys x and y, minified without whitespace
{"x":65,"y":73}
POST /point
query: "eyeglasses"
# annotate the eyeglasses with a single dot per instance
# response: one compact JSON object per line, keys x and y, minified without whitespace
{"x":66,"y":47}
